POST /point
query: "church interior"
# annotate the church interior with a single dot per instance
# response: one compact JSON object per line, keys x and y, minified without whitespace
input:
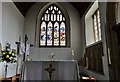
{"x":60,"y":40}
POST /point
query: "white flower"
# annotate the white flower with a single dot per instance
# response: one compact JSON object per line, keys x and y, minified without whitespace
{"x":8,"y":49}
{"x":13,"y":54}
{"x":11,"y":58}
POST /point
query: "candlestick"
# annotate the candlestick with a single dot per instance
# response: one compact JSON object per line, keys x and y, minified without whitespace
{"x":52,"y":56}
{"x":73,"y":52}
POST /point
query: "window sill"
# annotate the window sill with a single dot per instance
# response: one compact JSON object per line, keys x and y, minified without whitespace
{"x":94,"y":44}
{"x":54,"y":46}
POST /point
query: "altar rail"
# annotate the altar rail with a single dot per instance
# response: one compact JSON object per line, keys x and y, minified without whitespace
{"x":93,"y":57}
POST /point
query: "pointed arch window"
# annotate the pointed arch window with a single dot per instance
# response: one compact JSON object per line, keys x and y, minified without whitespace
{"x":53,"y":28}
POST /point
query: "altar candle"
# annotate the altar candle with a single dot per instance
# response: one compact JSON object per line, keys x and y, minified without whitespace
{"x":73,"y":52}
{"x":52,"y":54}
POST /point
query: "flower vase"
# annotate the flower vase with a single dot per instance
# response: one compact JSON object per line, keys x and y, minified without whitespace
{"x":6,"y":69}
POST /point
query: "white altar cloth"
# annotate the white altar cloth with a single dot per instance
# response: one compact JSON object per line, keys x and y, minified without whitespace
{"x":64,"y":70}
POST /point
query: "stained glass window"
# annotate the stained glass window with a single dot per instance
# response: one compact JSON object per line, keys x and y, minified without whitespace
{"x":53,"y":27}
{"x":96,"y":26}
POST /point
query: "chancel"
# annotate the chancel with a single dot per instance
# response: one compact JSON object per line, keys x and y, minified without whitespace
{"x":60,"y":41}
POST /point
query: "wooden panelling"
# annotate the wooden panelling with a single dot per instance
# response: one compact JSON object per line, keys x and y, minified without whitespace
{"x":94,"y":54}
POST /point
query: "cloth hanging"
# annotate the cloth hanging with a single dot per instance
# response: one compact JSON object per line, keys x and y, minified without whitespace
{"x":22,"y":48}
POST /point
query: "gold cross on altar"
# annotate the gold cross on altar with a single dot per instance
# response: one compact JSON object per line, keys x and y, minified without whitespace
{"x":50,"y":70}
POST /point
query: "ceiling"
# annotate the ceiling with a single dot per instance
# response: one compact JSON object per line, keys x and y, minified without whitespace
{"x":24,"y":6}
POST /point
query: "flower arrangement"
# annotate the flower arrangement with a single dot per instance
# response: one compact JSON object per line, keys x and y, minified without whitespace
{"x":8,"y":54}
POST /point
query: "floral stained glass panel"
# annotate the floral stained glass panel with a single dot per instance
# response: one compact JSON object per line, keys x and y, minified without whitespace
{"x":62,"y":34}
{"x":43,"y":34}
{"x":49,"y":34}
{"x":56,"y":34}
